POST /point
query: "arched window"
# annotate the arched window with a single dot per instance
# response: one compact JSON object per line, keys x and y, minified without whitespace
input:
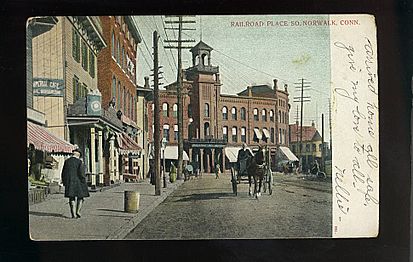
{"x":175,"y":132}
{"x":243,"y":113}
{"x":124,"y":100}
{"x":256,"y":118}
{"x":243,"y":134}
{"x":225,"y":133}
{"x":282,"y":117}
{"x":119,"y":96}
{"x":165,"y":109}
{"x":272,"y":135}
{"x":118,"y":52}
{"x":225,"y":113}
{"x":234,"y":134}
{"x":122,"y":59}
{"x":175,"y":110}
{"x":166,"y":132}
{"x":271,"y":115}
{"x":206,"y":110}
{"x":234,"y":113}
{"x":113,"y":87}
{"x":279,"y":115}
{"x":264,"y":115}
{"x":206,"y":130}
{"x":113,"y":44}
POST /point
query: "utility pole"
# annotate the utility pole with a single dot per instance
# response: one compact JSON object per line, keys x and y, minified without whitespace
{"x":302,"y":86}
{"x":179,"y":88}
{"x":157,"y":131}
{"x":329,"y":124}
{"x":322,"y":142}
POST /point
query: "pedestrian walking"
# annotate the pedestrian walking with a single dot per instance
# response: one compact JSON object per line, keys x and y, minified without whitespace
{"x":74,"y":181}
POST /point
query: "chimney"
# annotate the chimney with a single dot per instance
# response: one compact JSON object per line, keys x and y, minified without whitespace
{"x":313,"y":124}
{"x":217,"y":79}
{"x":296,"y":122}
{"x":249,"y":91}
{"x":286,"y":88}
{"x":275,"y":84}
{"x":146,"y":81}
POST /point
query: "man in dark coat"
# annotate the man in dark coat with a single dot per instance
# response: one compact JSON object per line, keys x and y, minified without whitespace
{"x":243,"y":154}
{"x":74,"y":180}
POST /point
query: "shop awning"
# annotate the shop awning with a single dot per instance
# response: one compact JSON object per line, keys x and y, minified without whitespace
{"x":231,"y":152}
{"x":287,"y":152}
{"x":171,"y":153}
{"x":266,"y":133}
{"x":127,"y":145}
{"x":43,"y":140}
{"x":258,"y":133}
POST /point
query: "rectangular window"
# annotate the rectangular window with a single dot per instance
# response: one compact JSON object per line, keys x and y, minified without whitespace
{"x":84,"y":56}
{"x":75,"y":45}
{"x":91,"y":64}
{"x":234,"y":135}
{"x":75,"y":88}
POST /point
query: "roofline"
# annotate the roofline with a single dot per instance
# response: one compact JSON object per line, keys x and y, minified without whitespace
{"x":134,"y":30}
{"x":97,"y":31}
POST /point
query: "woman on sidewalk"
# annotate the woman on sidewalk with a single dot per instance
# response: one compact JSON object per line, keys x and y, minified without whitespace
{"x":74,"y":180}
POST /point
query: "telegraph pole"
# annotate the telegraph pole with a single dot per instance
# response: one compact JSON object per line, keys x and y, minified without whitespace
{"x":322,"y":142}
{"x":329,"y":124}
{"x":157,"y":131}
{"x":302,"y":86}
{"x":179,"y":41}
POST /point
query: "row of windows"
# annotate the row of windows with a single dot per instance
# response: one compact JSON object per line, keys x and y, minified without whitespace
{"x":283,"y":116}
{"x":121,"y":56}
{"x":123,"y":99}
{"x":80,"y":52}
{"x":308,"y":148}
{"x":234,"y":134}
{"x":121,"y":22}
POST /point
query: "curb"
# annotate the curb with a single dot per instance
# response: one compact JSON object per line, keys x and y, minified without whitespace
{"x":124,"y":230}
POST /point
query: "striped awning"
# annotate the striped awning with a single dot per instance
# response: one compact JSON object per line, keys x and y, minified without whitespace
{"x":43,"y":140}
{"x":258,"y":133}
{"x":127,"y":145}
{"x":266,"y":133}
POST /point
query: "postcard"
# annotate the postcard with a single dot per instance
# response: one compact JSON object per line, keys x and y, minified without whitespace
{"x":202,"y":127}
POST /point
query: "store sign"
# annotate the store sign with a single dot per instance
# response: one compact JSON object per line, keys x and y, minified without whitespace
{"x":48,"y":87}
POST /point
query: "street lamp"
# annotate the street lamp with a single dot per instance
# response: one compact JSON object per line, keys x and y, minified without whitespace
{"x":164,"y":142}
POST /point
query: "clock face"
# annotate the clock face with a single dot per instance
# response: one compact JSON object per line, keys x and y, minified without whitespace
{"x":95,"y":105}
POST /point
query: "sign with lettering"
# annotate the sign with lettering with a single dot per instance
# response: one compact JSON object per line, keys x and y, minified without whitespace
{"x":48,"y":87}
{"x":355,"y":127}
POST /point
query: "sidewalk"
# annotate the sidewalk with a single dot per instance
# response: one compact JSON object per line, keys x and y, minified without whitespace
{"x":102,"y":214}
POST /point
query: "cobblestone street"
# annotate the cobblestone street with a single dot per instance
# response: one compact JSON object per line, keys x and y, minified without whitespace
{"x":206,"y":208}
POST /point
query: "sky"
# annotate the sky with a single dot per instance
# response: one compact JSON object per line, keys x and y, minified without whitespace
{"x":253,"y":54}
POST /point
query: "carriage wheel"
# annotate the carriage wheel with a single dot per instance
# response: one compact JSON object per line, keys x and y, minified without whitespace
{"x":270,"y":184}
{"x":234,"y":182}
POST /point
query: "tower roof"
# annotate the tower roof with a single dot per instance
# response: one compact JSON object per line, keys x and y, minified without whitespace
{"x":200,"y":46}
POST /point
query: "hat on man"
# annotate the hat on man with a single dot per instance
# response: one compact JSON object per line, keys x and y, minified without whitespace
{"x":76,"y":150}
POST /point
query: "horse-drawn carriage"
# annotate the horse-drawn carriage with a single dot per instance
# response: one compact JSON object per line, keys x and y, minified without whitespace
{"x":254,"y":168}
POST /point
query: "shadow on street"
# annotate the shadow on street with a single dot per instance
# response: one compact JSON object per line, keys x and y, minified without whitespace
{"x":205,"y":196}
{"x":44,"y":214}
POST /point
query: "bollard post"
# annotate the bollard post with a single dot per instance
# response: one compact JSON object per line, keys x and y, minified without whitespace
{"x":131,"y":201}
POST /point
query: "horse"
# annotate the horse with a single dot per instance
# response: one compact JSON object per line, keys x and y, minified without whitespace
{"x":255,"y":170}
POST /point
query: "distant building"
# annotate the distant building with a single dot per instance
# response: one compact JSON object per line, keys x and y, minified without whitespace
{"x":311,"y":146}
{"x":215,"y":123}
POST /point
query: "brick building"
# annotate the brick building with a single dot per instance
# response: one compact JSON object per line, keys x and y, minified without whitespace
{"x":117,"y":84}
{"x":215,"y":123}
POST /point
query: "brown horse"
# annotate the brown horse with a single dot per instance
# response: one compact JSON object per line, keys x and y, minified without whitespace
{"x":255,"y":169}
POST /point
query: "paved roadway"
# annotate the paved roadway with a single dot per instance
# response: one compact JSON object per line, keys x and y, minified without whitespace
{"x":206,"y":208}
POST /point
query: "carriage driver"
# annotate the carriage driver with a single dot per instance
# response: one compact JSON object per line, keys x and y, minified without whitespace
{"x":243,"y":154}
